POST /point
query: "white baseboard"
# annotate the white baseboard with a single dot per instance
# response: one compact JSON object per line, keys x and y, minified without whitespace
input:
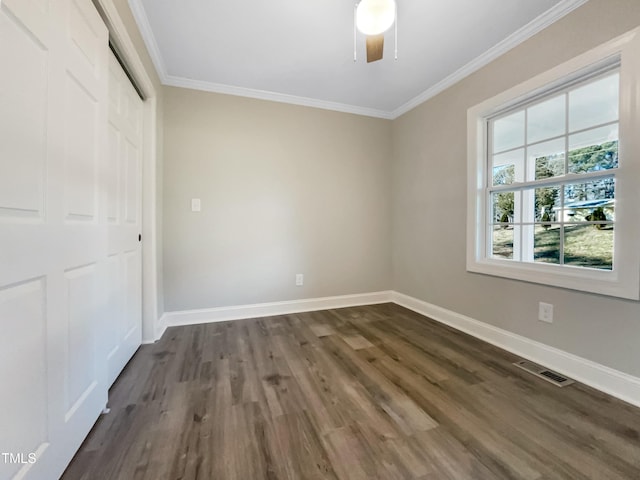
{"x":238,"y":312}
{"x":613,"y":382}
{"x":160,"y":327}
{"x":617,"y":384}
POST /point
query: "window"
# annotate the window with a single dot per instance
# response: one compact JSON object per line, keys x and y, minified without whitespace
{"x":554,"y":175}
{"x":553,"y":165}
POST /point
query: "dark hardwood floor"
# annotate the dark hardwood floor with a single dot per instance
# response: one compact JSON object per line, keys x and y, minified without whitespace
{"x":375,"y":392}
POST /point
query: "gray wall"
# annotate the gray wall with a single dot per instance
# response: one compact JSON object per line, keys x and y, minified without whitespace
{"x":429,"y":205}
{"x":284,"y":189}
{"x":288,"y":189}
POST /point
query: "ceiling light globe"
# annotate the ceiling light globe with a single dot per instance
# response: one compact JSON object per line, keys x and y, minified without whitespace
{"x":374,"y":17}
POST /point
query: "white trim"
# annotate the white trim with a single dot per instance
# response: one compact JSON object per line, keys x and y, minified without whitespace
{"x":118,"y":32}
{"x":608,"y":380}
{"x":613,"y":382}
{"x":149,"y":38}
{"x":161,"y":327}
{"x":150,"y":293}
{"x":174,"y":81}
{"x":536,"y":25}
{"x":624,"y":280}
{"x":140,"y":15}
{"x":239,"y":312}
{"x":122,"y":40}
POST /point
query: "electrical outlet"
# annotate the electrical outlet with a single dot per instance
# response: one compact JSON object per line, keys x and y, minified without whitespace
{"x":196,"y":205}
{"x":545,"y":312}
{"x":299,"y":280}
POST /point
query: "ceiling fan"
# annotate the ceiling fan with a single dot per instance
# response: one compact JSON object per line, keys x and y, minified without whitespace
{"x":373,"y":18}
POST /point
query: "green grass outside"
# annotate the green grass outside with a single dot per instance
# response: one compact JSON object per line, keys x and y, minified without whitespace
{"x":585,"y":245}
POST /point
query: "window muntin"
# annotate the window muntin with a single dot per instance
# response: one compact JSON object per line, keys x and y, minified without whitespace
{"x":553,"y":162}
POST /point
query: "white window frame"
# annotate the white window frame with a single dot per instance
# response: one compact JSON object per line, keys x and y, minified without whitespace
{"x":624,"y":280}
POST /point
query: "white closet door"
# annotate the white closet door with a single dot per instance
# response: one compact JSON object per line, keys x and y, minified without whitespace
{"x":53,"y":231}
{"x":124,"y":206}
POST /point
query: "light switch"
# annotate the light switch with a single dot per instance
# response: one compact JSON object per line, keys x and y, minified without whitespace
{"x":195,"y":205}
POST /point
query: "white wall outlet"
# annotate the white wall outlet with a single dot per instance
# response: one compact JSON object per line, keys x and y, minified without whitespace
{"x":545,"y":312}
{"x":196,"y":205}
{"x":299,"y":280}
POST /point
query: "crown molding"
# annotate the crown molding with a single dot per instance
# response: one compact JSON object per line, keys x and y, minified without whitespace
{"x":519,"y":36}
{"x":536,"y":25}
{"x":140,"y":15}
{"x":174,"y":81}
{"x":149,"y":38}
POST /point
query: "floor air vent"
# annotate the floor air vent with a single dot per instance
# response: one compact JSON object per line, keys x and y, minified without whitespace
{"x":544,"y":373}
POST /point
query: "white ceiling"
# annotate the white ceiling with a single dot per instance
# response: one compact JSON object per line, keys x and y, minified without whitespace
{"x":301,"y":51}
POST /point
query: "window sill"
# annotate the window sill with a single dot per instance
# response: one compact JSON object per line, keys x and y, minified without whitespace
{"x":603,"y":282}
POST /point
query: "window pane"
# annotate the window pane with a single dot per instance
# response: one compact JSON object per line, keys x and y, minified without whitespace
{"x":547,"y":202}
{"x":588,"y":246}
{"x":594,"y":150}
{"x":547,"y":119}
{"x":548,"y":158}
{"x":546,"y":243}
{"x":504,"y":167}
{"x":594,"y":104}
{"x":508,"y":132}
{"x":583,"y":199}
{"x":503,"y":207}
{"x":503,"y":175}
{"x":502,"y":241}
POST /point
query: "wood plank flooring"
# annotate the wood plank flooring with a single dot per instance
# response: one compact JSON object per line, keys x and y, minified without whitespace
{"x":375,"y":392}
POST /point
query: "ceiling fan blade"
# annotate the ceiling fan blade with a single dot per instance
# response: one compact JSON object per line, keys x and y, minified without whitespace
{"x":375,"y":46}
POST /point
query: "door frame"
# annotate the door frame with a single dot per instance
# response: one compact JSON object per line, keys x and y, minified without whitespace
{"x":150,"y":281}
